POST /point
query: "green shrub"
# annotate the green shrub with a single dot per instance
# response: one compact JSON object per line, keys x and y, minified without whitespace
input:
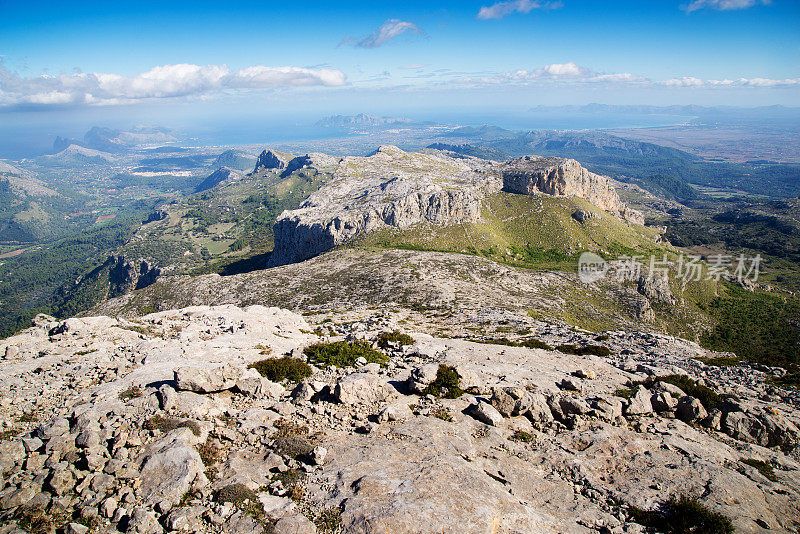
{"x":236,"y":494}
{"x":707,"y":396}
{"x":535,"y":344}
{"x":527,"y":343}
{"x":595,"y":350}
{"x":394,"y":337}
{"x":285,"y":368}
{"x":625,"y":393}
{"x":292,"y":446}
{"x":763,"y":467}
{"x":168,"y":424}
{"x":343,"y":354}
{"x":446,"y":384}
{"x":130,"y":393}
{"x":328,"y":520}
{"x":789,"y":379}
{"x":443,"y":414}
{"x":522,"y":436}
{"x":683,"y":515}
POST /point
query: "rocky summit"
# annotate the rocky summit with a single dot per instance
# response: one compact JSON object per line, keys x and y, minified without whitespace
{"x":398,"y":189}
{"x":228,"y":419}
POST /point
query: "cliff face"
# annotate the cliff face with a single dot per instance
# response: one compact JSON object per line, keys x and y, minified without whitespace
{"x":270,"y":160}
{"x":529,"y":175}
{"x":399,"y":189}
{"x":390,"y":188}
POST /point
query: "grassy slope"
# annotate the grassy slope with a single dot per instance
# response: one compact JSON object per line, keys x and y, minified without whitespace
{"x":530,"y":231}
{"x":539,"y":232}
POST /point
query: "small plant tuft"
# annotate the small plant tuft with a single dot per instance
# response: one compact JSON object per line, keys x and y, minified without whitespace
{"x":683,"y":515}
{"x":446,"y":384}
{"x":285,"y":368}
{"x":442,"y":413}
{"x":328,"y":520}
{"x":763,"y":467}
{"x":343,"y":354}
{"x":395,"y":337}
{"x":625,"y":393}
{"x":130,"y":393}
{"x":522,"y":437}
{"x":168,"y":424}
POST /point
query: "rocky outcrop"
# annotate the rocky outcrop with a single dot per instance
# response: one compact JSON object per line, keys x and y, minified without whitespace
{"x":223,"y":174}
{"x":125,"y":275}
{"x":219,"y":176}
{"x":397,"y":189}
{"x":269,"y":160}
{"x":143,"y":427}
{"x":391,"y":188}
{"x":530,"y":175}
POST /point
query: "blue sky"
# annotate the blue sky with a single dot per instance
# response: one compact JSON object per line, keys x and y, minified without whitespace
{"x":389,"y":56}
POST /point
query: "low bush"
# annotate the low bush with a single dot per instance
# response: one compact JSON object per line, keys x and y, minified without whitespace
{"x":522,"y":437}
{"x":683,"y":515}
{"x":443,"y":414}
{"x":707,"y":396}
{"x":130,"y":393}
{"x":168,"y":424}
{"x":789,"y":380}
{"x":763,"y":467}
{"x":446,"y":384}
{"x":385,"y":338}
{"x":530,"y":343}
{"x":343,"y":354}
{"x":594,"y":350}
{"x":279,"y":369}
{"x":244,"y":499}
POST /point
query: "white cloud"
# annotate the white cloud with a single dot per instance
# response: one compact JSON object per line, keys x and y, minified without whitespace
{"x":573,"y":74}
{"x":501,"y":9}
{"x":166,"y":81}
{"x":388,"y":30}
{"x":724,"y":5}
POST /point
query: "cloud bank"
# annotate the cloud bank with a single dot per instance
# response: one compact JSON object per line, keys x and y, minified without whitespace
{"x":167,"y":81}
{"x":501,"y":9}
{"x":724,"y":5}
{"x":388,"y":30}
{"x":572,"y":74}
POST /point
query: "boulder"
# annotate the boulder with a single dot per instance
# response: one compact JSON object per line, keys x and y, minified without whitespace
{"x":639,"y":403}
{"x":690,"y":410}
{"x":294,"y":524}
{"x":143,"y":521}
{"x":359,"y":388}
{"x":485,"y":413}
{"x":169,"y":468}
{"x":208,"y":379}
{"x":422,"y":376}
{"x":537,"y":410}
{"x":663,"y":402}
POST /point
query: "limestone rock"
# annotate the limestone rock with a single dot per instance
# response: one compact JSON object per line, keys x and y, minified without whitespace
{"x":564,"y":177}
{"x":295,"y":524}
{"x":169,"y":468}
{"x":207,"y":379}
{"x":363,"y":388}
{"x":690,"y":410}
{"x":485,"y":413}
{"x":268,"y":160}
{"x":639,"y":403}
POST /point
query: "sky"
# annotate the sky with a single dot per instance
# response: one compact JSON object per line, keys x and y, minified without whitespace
{"x":171,"y":59}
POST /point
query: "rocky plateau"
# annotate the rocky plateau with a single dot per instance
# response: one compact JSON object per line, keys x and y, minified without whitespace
{"x":158,"y":424}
